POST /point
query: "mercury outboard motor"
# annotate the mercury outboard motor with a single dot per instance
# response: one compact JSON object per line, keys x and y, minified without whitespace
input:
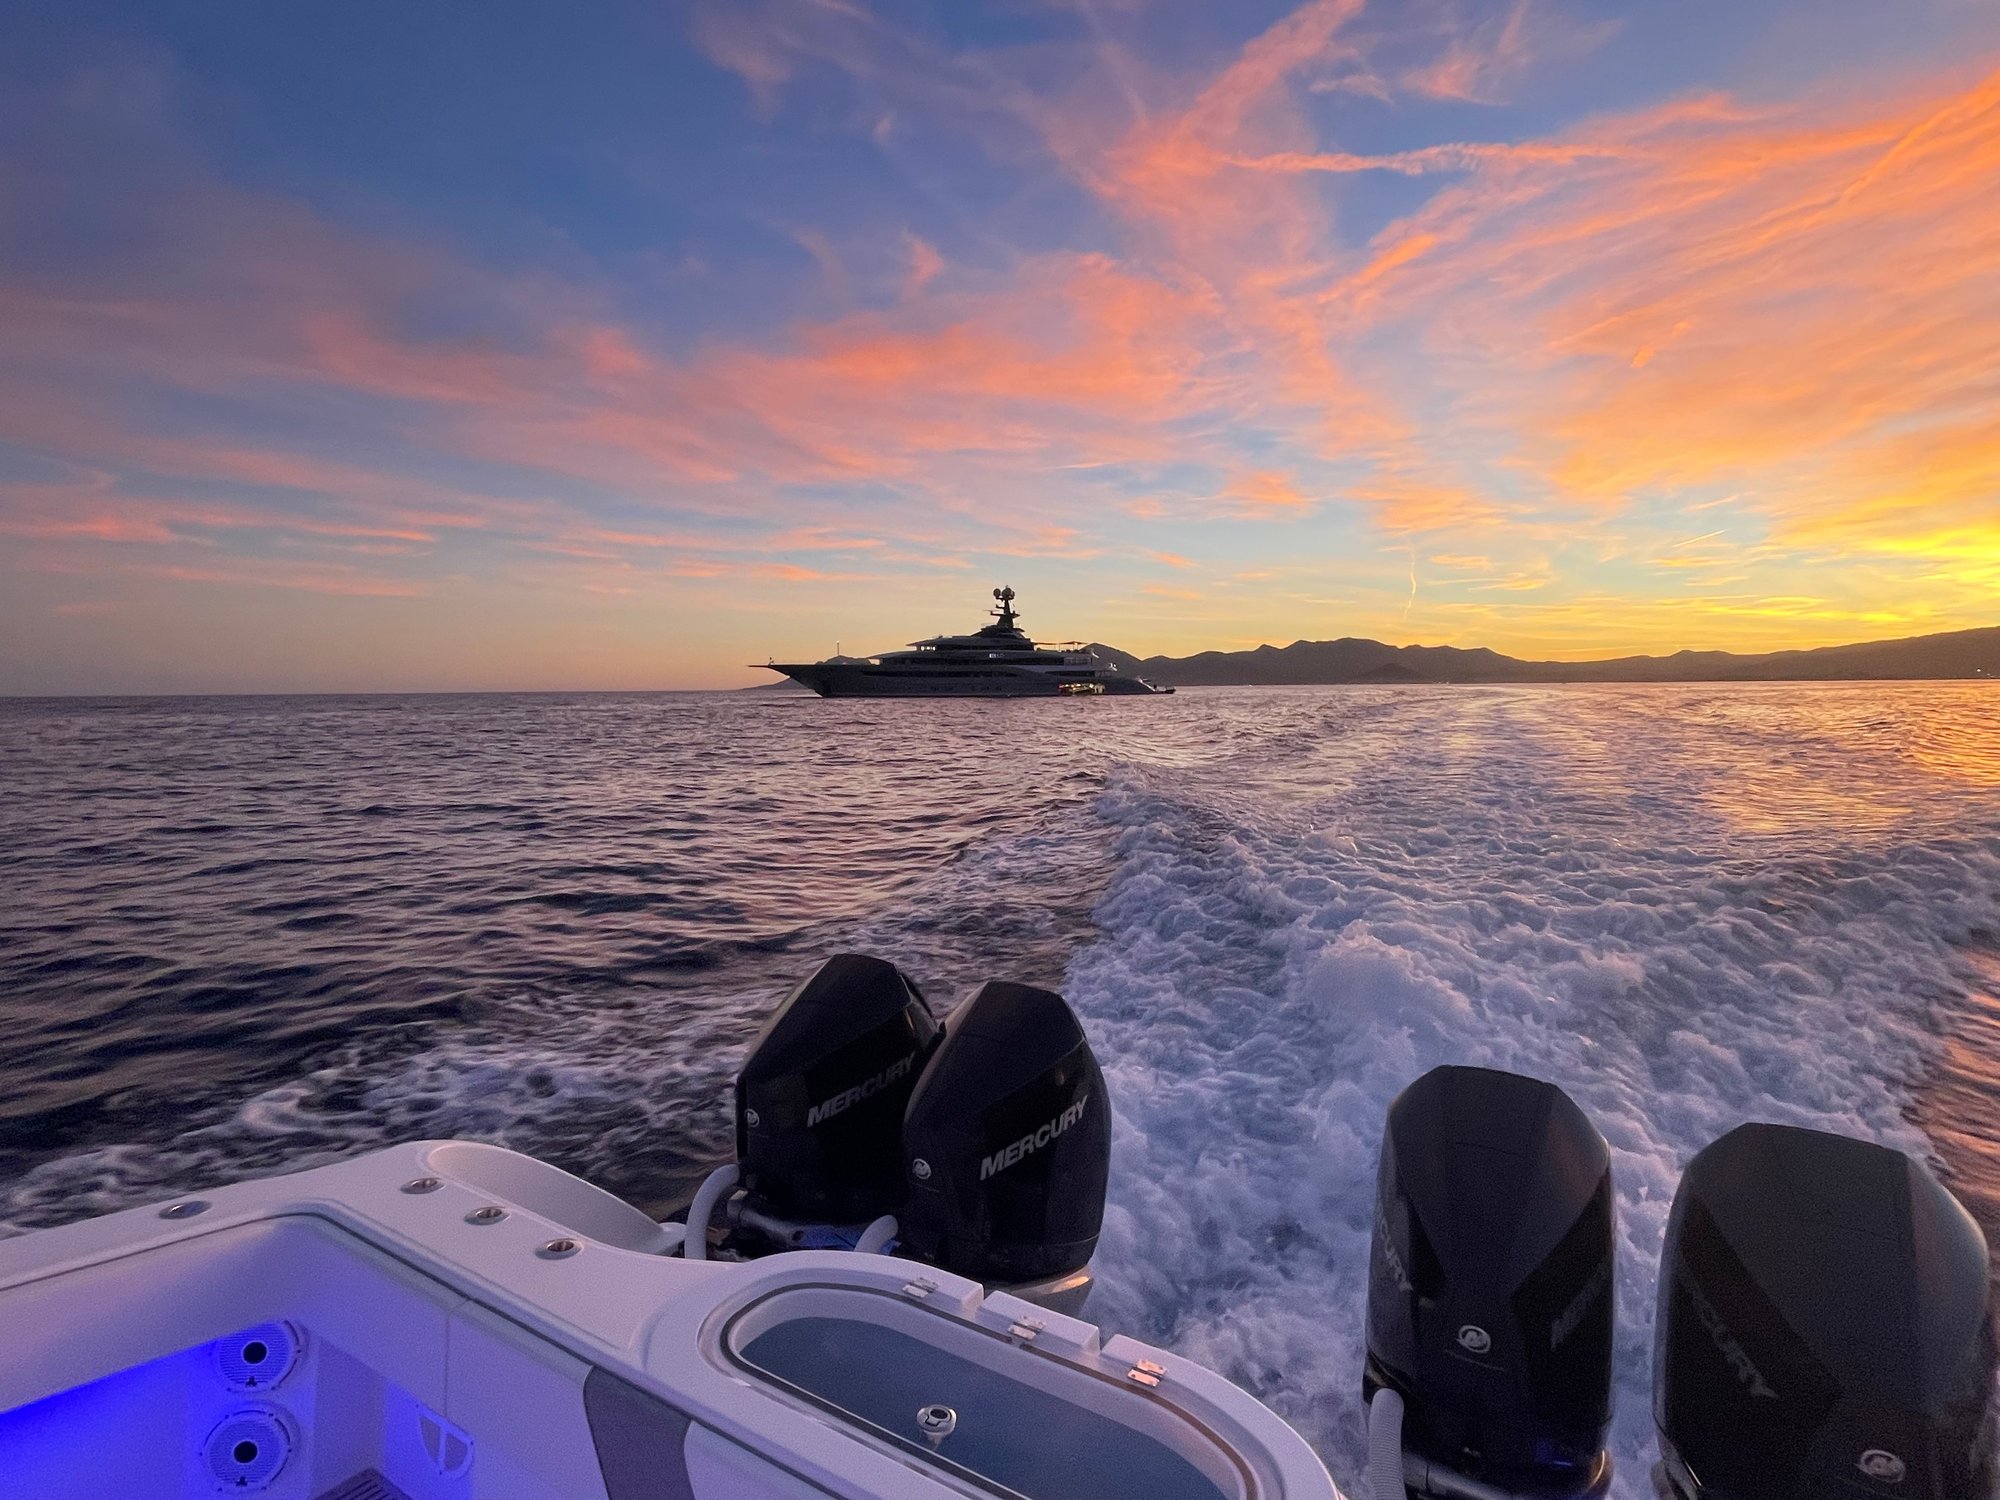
{"x":819,"y":1103}
{"x":1824,"y":1327}
{"x":1007,"y":1142}
{"x":1490,"y":1289}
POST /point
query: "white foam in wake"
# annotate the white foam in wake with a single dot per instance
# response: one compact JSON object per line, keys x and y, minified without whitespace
{"x":1606,"y":890}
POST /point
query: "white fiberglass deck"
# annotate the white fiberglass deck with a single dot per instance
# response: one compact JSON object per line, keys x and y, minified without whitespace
{"x":446,"y":1321}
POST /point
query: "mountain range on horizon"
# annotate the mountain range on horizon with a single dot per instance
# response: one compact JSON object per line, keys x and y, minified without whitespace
{"x":1952,"y":654}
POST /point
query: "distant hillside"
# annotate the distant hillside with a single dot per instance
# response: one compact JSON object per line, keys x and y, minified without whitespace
{"x":1955,"y":654}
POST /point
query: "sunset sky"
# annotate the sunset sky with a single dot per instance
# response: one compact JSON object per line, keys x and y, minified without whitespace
{"x":531,"y":345}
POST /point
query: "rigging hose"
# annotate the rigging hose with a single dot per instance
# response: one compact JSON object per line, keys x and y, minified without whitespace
{"x":714,"y":1188}
{"x":876,"y":1235}
{"x":1385,"y":1447}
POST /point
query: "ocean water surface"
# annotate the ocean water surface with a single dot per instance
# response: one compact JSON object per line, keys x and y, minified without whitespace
{"x":241,"y":936}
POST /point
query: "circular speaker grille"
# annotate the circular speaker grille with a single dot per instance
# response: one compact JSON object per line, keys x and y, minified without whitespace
{"x":258,"y":1358}
{"x":248,"y":1448}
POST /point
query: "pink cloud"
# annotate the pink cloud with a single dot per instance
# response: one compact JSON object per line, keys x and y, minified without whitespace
{"x":925,"y":265}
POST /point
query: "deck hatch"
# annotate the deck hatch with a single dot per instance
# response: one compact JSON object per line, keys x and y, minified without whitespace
{"x":1026,"y":1424}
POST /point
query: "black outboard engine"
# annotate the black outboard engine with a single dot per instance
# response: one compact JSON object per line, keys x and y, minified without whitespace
{"x":1007,"y":1142}
{"x":819,"y":1103}
{"x":1490,"y":1285}
{"x":1824,"y":1327}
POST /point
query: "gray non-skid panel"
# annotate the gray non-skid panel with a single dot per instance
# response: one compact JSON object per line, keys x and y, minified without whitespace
{"x":641,"y":1441}
{"x":367,"y":1485}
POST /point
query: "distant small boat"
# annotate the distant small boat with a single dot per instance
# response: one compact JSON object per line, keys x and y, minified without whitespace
{"x":997,"y":661}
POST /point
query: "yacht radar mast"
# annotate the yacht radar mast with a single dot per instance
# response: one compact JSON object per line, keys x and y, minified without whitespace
{"x":1005,"y":613}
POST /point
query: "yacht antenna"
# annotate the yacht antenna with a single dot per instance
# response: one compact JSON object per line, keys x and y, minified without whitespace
{"x":1005,"y":613}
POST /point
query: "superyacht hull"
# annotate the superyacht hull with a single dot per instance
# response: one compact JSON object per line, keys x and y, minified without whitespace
{"x":883,"y":682}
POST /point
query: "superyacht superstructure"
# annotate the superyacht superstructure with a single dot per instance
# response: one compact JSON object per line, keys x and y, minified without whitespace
{"x":997,"y":661}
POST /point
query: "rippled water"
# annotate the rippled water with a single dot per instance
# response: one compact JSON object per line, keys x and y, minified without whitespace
{"x":245,"y":934}
{"x":248,"y":932}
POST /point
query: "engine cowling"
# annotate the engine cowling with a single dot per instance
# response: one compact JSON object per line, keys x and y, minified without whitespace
{"x":1007,"y":1142}
{"x":1824,"y":1326}
{"x":820,"y":1100}
{"x":1491,"y":1280}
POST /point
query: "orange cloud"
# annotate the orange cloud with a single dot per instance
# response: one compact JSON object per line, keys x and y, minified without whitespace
{"x":1480,"y":61}
{"x":1267,"y":490}
{"x":85,"y":511}
{"x":1453,"y":156}
{"x":1406,"y":504}
{"x":260,"y":573}
{"x":925,"y":265}
{"x":1802,"y":305}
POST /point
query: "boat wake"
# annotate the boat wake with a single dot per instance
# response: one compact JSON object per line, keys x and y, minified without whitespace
{"x":1293,"y":939}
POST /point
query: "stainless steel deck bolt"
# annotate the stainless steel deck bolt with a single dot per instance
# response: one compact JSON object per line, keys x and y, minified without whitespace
{"x":936,"y":1422}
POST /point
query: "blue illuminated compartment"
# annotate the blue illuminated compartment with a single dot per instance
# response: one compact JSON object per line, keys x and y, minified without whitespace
{"x":267,"y":1411}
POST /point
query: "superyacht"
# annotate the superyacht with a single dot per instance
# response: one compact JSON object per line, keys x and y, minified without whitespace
{"x":998,"y":661}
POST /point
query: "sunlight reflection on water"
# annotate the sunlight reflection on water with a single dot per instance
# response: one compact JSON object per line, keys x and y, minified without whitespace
{"x":1959,"y":1106}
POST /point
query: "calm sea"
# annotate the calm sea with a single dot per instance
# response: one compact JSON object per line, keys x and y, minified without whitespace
{"x":241,"y":935}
